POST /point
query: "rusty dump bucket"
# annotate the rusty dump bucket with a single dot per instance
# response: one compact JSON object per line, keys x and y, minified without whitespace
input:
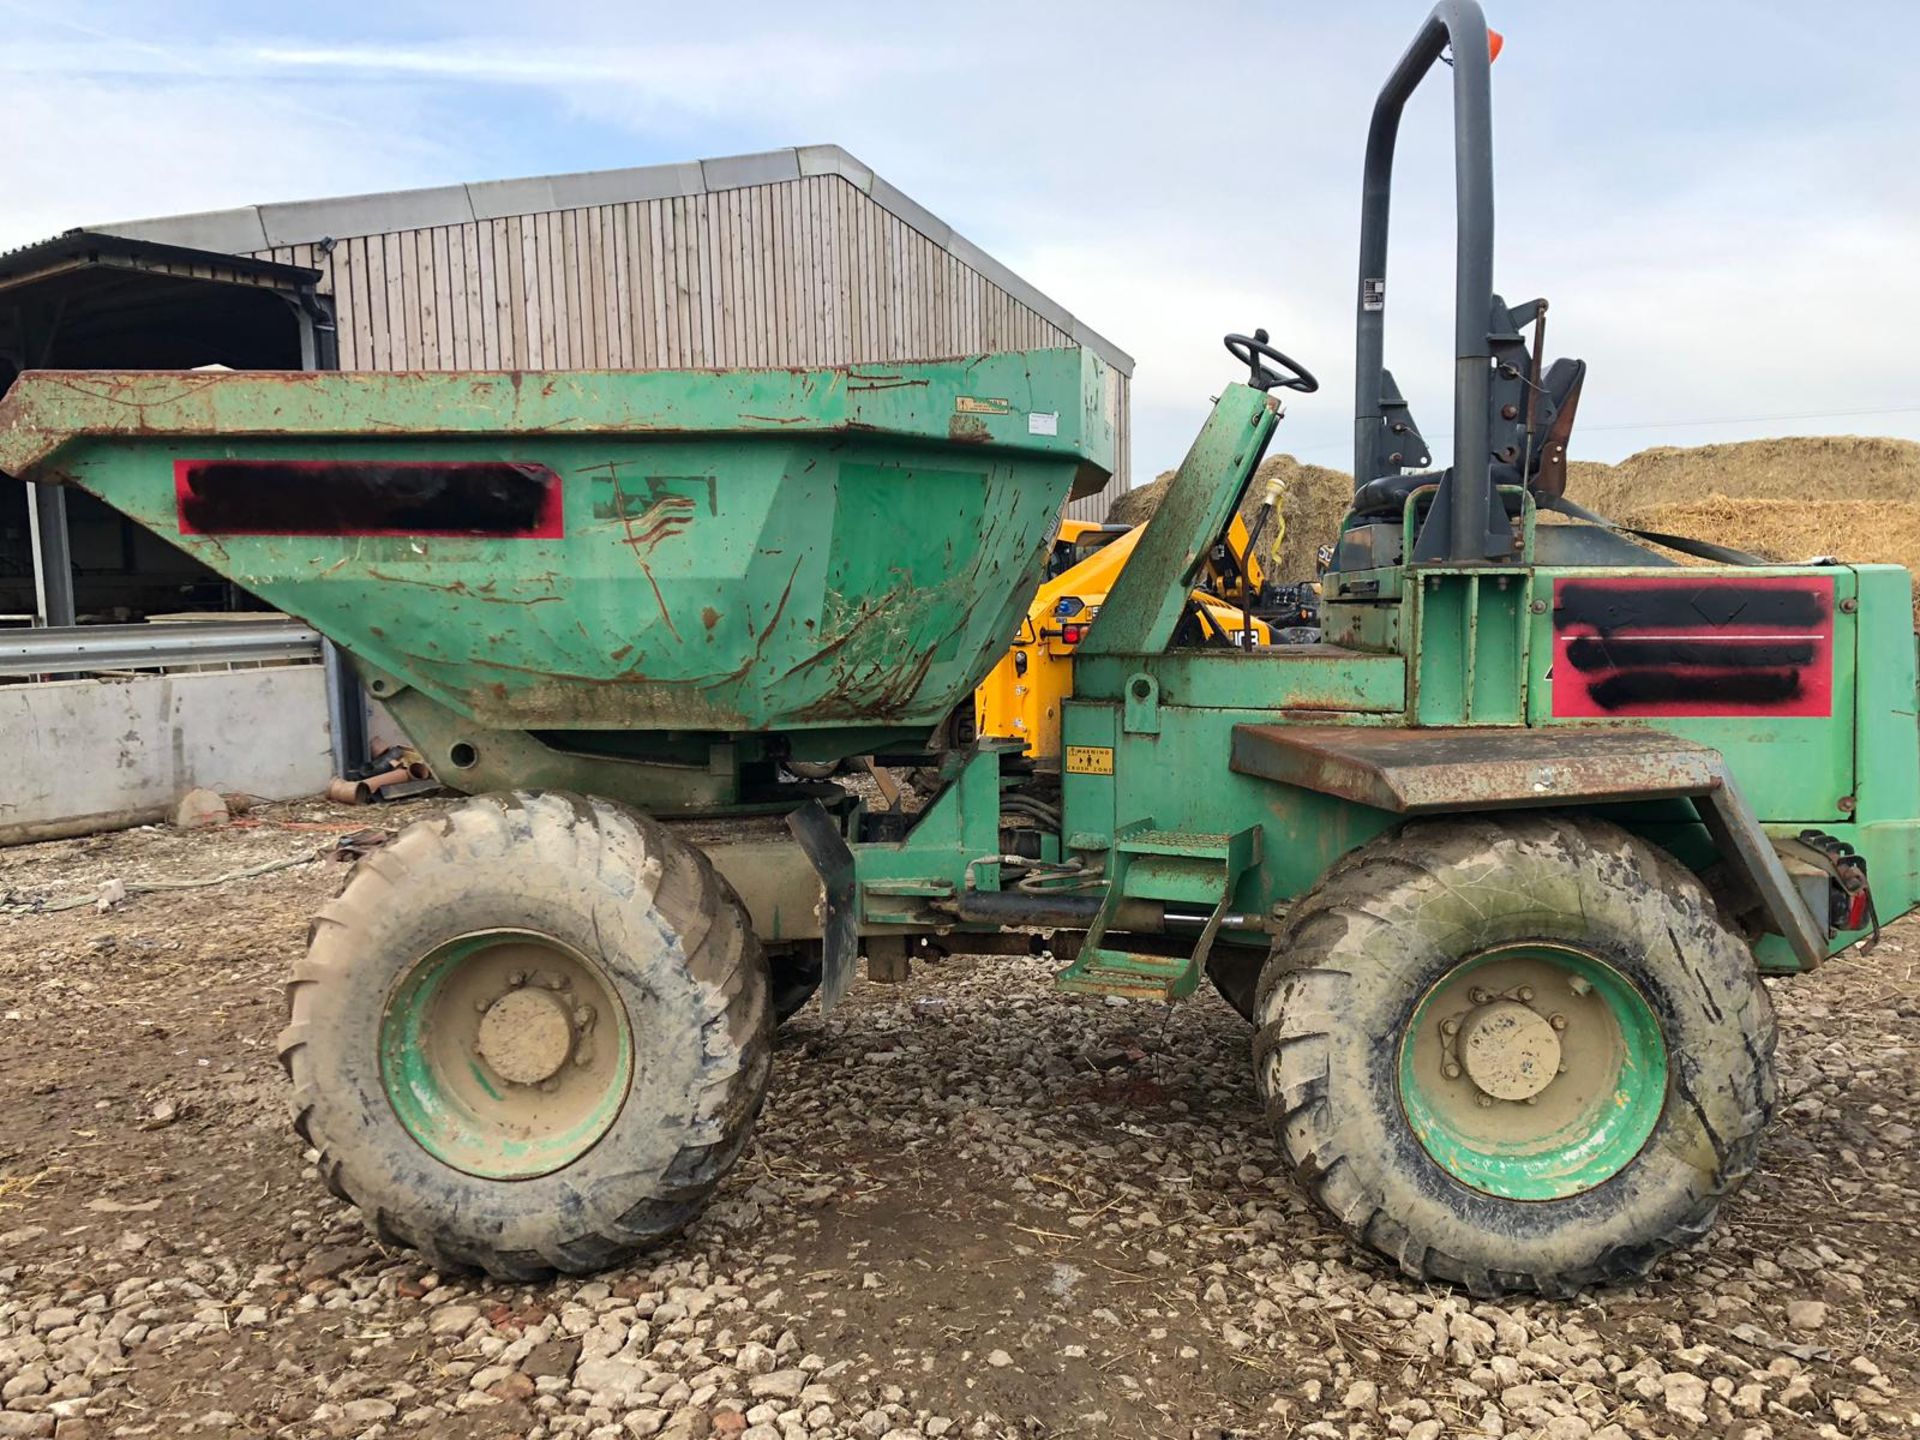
{"x":714,"y":551}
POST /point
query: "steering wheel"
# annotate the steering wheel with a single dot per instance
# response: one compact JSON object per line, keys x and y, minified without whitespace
{"x":1249,"y":350}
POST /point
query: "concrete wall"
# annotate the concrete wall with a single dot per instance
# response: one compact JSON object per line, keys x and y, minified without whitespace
{"x":87,"y":754}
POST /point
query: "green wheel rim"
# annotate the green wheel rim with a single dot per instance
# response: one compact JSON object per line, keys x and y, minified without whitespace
{"x":1515,"y":1126}
{"x":506,"y":1054}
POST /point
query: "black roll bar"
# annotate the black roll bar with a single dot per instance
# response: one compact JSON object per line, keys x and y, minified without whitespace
{"x":1462,"y":25}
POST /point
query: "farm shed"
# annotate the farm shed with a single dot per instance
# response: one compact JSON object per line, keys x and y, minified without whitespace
{"x":791,"y":257}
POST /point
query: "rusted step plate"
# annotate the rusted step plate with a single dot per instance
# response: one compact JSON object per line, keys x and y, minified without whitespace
{"x":1415,"y":771}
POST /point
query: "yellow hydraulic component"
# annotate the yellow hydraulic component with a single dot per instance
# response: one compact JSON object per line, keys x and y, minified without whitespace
{"x":1021,"y":698}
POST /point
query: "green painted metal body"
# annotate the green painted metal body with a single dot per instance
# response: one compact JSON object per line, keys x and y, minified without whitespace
{"x":1445,"y":649}
{"x":1795,"y":773}
{"x":865,"y":543}
{"x":735,"y":552}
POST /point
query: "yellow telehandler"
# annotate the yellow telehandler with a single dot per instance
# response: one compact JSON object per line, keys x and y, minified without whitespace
{"x":1021,"y":698}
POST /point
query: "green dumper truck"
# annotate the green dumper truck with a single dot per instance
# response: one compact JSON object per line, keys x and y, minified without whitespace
{"x":1495,"y":871}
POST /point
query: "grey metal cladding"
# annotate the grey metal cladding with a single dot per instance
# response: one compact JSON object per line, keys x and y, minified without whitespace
{"x":497,"y":199}
{"x":733,"y":172}
{"x":890,"y":197}
{"x":235,"y":231}
{"x":1088,"y":338}
{"x":304,"y":221}
{"x":832,"y":160}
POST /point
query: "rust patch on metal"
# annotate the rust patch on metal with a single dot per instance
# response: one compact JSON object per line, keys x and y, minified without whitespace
{"x":661,"y":600}
{"x":457,"y":587}
{"x":760,"y":639}
{"x":709,"y":617}
{"x":856,"y":381}
{"x":1418,"y":770}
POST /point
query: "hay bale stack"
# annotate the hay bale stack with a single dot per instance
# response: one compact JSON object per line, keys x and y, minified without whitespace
{"x":1818,"y":468}
{"x":1313,"y":498}
{"x":1795,"y":530}
{"x":1854,"y":497}
{"x":1136,"y":506}
{"x":1313,"y":502}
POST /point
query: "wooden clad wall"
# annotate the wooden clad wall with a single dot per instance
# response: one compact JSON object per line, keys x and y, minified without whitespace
{"x":795,"y":272}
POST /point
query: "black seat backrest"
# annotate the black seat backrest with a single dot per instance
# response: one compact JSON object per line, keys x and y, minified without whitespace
{"x":1560,"y":400}
{"x":1546,"y":474}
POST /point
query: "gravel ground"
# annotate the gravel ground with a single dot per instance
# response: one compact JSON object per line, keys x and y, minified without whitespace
{"x":974,"y":1208}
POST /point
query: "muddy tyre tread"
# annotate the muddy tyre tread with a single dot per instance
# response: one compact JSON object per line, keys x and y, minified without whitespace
{"x":1304,"y":990}
{"x":587,"y":835}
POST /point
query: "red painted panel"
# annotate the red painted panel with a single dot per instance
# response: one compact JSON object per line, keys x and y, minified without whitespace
{"x":494,"y":499}
{"x":1692,"y":644}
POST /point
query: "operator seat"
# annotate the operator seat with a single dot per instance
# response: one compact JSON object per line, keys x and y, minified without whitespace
{"x":1385,"y":497}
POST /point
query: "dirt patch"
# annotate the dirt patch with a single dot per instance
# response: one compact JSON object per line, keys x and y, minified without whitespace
{"x":961,"y":1216}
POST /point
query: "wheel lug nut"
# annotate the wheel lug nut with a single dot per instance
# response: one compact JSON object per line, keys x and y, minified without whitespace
{"x":516,"y":977}
{"x":556,"y":982}
{"x":1533,"y":1100}
{"x":1452,"y":1071}
{"x":1558,"y":1022}
{"x":1486,"y":1101}
{"x":583,"y":1016}
{"x":1449,"y":1027}
{"x":1478,"y":996}
{"x":1526,"y":993}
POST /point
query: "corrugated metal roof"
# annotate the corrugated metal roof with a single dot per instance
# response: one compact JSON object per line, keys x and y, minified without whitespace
{"x":262,"y":227}
{"x":94,"y":246}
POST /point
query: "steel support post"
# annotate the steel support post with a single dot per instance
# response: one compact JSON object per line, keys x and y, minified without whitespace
{"x":52,"y":559}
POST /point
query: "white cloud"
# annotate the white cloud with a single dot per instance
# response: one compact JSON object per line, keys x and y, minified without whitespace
{"x":115,"y":152}
{"x":727,"y":79}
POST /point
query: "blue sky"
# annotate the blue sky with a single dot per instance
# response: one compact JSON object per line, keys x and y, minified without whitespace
{"x":1718,"y":197}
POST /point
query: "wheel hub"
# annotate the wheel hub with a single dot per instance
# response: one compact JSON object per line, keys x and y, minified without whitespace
{"x":1509,"y":1051}
{"x":1532,"y":1070}
{"x":526,"y":1036}
{"x":506,"y":1053}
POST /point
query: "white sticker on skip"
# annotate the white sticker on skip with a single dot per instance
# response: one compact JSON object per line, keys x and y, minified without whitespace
{"x":1043,"y":422}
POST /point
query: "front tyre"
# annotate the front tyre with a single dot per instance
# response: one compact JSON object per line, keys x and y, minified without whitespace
{"x":1515,"y":1053}
{"x":530,"y":1035}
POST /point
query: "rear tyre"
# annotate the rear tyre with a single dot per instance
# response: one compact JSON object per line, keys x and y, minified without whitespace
{"x":529,"y":1036}
{"x":1515,"y":1053}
